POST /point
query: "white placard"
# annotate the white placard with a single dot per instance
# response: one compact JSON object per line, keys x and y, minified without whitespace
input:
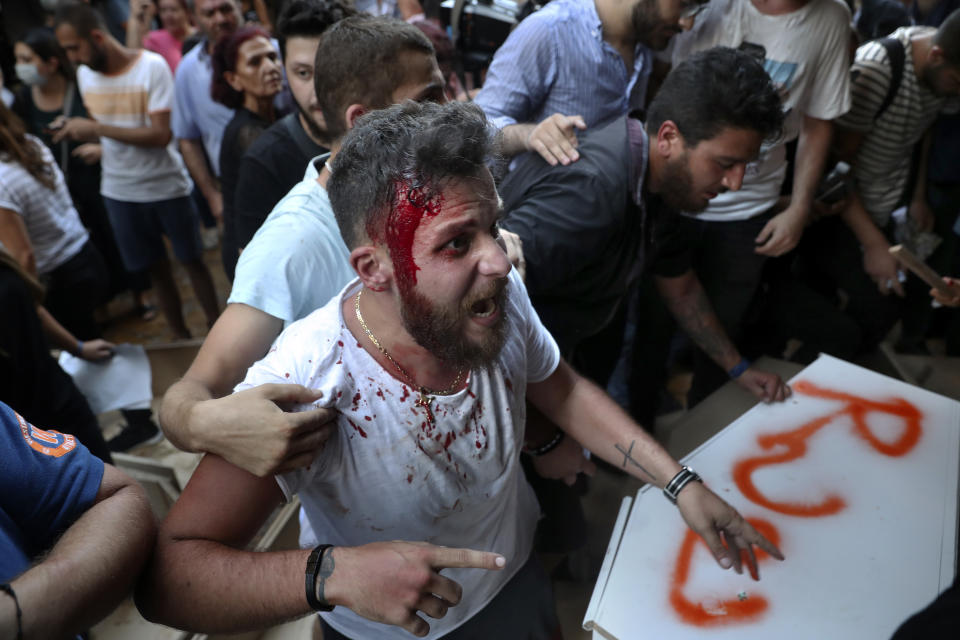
{"x":120,"y":382}
{"x":866,"y":516}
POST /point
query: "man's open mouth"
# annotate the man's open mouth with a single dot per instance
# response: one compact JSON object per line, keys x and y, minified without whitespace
{"x":483,"y":308}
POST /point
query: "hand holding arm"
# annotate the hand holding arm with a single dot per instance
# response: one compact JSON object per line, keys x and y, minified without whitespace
{"x":250,"y":428}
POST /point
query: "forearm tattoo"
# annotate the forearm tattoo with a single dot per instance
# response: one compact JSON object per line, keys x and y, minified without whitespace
{"x":628,"y":457}
{"x":326,"y":570}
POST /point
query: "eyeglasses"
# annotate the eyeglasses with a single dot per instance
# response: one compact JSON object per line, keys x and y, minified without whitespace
{"x":693,"y":9}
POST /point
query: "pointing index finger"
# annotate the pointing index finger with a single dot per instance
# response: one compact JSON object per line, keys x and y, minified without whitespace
{"x":447,"y":557}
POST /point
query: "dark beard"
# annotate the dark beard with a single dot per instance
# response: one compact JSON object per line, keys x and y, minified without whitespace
{"x":98,"y":59}
{"x":676,"y":189}
{"x":441,"y":331}
{"x":313,"y":128}
{"x":649,"y":26}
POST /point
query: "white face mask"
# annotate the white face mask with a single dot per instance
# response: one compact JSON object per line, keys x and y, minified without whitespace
{"x":29,"y":75}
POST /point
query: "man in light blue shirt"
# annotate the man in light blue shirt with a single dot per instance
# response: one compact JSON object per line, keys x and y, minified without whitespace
{"x":575,"y":64}
{"x":198,"y":121}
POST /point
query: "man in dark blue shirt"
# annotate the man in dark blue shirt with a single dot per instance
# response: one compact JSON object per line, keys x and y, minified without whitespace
{"x":90,"y":524}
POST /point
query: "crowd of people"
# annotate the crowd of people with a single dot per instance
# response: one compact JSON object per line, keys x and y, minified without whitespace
{"x":432,"y":285}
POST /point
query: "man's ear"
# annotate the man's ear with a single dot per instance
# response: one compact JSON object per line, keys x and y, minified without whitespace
{"x":669,"y":140}
{"x":373,"y":266}
{"x":353,"y":112}
{"x":97,"y":37}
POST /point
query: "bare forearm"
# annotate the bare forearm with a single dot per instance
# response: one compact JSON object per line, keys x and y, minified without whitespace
{"x":515,"y":138}
{"x":90,"y":569}
{"x":204,"y":586}
{"x":814,"y":143}
{"x":58,"y":335}
{"x":192,"y":152}
{"x":137,"y":136}
{"x":688,"y":302}
{"x":175,"y":413}
{"x":599,"y":424}
{"x":856,"y":217}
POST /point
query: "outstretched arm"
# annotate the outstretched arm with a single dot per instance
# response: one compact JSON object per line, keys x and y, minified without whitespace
{"x":584,"y":411}
{"x":90,"y":569}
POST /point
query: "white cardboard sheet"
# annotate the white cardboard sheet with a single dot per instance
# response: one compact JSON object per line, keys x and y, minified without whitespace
{"x":121,"y":382}
{"x":855,"y":573}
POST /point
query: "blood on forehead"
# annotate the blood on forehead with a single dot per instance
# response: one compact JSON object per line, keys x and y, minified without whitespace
{"x":410,"y":205}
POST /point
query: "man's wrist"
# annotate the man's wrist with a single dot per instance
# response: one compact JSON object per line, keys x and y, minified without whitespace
{"x":320,"y":564}
{"x":738,"y":369}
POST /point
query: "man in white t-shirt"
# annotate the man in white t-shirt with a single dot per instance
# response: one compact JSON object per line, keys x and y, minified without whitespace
{"x":427,"y":357}
{"x":294,"y":264}
{"x":803,"y":47}
{"x":128,"y":94}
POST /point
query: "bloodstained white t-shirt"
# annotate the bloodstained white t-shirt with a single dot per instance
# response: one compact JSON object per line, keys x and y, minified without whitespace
{"x":387,"y":473}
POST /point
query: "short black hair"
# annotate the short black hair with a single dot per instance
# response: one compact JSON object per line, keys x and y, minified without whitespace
{"x":81,"y":16}
{"x":309,"y":19}
{"x":716,"y":89}
{"x":420,"y":146}
{"x":359,"y":62}
{"x":948,"y":38}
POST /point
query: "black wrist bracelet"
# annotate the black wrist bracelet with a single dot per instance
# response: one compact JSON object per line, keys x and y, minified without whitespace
{"x":547,"y":448}
{"x":685,"y":476}
{"x":16,"y":603}
{"x":313,"y":568}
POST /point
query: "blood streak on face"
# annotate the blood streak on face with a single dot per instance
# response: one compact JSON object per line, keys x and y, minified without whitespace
{"x":732,"y":611}
{"x":792,"y":445}
{"x":410,"y":205}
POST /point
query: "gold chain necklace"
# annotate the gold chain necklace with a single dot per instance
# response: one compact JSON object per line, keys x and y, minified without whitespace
{"x":423,"y":400}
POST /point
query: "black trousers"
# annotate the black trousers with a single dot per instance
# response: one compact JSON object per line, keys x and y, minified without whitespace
{"x":75,"y":289}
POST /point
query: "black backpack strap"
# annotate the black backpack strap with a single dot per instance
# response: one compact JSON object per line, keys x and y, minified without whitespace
{"x":897,"y":57}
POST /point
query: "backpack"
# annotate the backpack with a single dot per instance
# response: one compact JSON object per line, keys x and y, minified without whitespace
{"x":897,"y":57}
